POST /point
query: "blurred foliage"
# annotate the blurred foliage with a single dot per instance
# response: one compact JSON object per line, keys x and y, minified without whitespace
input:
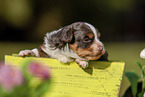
{"x":116,"y":5}
{"x":133,"y":78}
{"x":32,"y":79}
{"x":16,"y":12}
{"x":116,"y":19}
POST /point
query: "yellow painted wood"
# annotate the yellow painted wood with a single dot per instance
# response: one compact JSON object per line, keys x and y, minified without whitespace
{"x":100,"y":79}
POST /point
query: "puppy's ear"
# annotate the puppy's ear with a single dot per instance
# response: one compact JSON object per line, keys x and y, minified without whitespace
{"x":67,"y":34}
{"x":59,"y":38}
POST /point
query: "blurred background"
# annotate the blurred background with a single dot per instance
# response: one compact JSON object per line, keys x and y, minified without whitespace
{"x":23,"y":24}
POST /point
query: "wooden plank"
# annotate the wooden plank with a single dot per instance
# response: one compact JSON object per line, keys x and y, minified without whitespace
{"x":100,"y":79}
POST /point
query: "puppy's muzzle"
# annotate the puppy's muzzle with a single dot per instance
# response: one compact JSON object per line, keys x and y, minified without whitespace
{"x":100,"y":48}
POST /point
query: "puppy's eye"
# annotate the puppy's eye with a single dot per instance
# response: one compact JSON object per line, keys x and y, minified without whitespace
{"x":86,"y":39}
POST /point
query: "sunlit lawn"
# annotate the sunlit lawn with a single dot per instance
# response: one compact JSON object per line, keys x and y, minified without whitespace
{"x":128,"y":52}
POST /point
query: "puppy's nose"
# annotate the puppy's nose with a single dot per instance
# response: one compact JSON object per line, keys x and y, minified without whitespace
{"x":100,"y":47}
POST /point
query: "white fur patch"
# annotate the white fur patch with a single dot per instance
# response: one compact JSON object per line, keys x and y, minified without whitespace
{"x":94,"y":30}
{"x":36,"y":52}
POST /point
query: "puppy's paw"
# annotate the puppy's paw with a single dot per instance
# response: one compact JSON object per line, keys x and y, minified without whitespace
{"x":25,"y":53}
{"x":64,"y":59}
{"x":83,"y":64}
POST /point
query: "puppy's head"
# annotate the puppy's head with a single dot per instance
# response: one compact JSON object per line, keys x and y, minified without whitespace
{"x":85,"y":41}
{"x":83,"y":38}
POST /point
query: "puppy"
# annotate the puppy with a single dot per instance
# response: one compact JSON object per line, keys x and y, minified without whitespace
{"x":76,"y":42}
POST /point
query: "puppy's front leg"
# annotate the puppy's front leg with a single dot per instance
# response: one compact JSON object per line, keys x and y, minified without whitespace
{"x":83,"y":64}
{"x":34,"y":53}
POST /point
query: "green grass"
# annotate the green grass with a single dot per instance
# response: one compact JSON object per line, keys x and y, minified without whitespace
{"x":119,"y":51}
{"x":7,"y":48}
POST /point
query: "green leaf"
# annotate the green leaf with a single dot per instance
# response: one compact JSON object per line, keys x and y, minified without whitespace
{"x":1,"y":91}
{"x":140,"y":94}
{"x":142,"y":74}
{"x":42,"y":88}
{"x":28,"y":76}
{"x":140,"y":68}
{"x":133,"y":78}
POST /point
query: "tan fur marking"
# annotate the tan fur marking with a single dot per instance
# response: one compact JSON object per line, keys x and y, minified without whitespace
{"x":73,"y":46}
{"x":87,"y":53}
{"x":90,"y":35}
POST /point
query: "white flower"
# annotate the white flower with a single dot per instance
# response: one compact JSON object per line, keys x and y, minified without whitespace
{"x":142,"y":54}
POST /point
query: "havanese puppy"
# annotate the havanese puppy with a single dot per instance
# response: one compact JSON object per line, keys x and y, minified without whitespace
{"x":76,"y":42}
